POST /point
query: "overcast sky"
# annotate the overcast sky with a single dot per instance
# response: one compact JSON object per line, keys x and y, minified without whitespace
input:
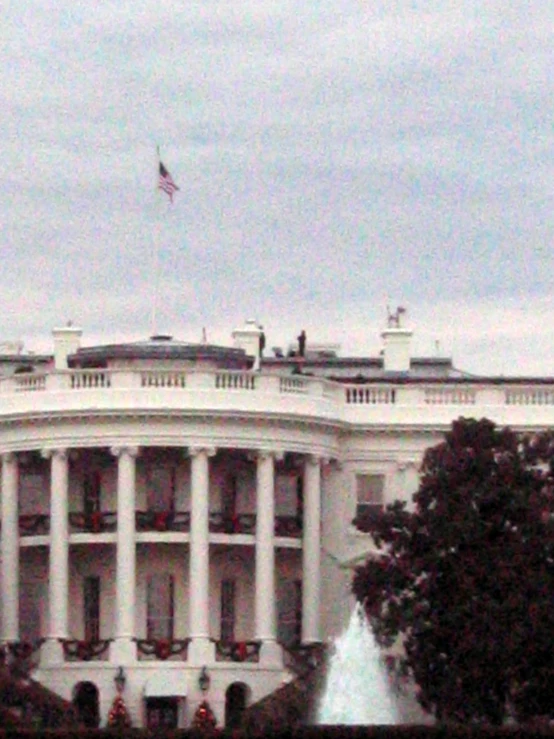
{"x":332,"y":157}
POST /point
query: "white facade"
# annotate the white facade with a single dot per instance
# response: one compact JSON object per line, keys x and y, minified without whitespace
{"x":167,"y":508}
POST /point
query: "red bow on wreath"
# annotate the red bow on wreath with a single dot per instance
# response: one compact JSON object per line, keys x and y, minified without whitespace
{"x":163,"y":649}
{"x":160,"y":521}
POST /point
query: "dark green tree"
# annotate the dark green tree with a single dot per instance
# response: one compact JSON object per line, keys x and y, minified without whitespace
{"x":466,"y":577}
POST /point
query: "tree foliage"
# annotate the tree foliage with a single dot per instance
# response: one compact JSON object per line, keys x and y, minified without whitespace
{"x":466,"y":578}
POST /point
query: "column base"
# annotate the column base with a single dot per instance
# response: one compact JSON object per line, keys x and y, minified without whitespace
{"x":271,"y":654}
{"x":51,"y":653}
{"x":123,"y":651}
{"x":201,"y":651}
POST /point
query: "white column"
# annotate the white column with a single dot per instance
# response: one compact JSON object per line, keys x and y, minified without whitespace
{"x":201,"y":648}
{"x":10,"y":549}
{"x":123,"y":649}
{"x":58,"y":577}
{"x":265,"y":558}
{"x":311,"y":551}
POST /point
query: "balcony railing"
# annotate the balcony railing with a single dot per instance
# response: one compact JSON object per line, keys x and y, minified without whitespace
{"x":34,"y":524}
{"x":21,"y":656}
{"x":162,"y":521}
{"x":237,"y":651}
{"x":98,"y":522}
{"x":83,"y":650}
{"x":163,"y":649}
{"x":376,"y":401}
{"x":240,"y":523}
{"x":289,"y":526}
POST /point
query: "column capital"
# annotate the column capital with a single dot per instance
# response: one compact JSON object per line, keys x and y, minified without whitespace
{"x":9,"y":457}
{"x":276,"y":454}
{"x":315,"y":459}
{"x":194,"y":451}
{"x":119,"y":451}
{"x":61,"y":453}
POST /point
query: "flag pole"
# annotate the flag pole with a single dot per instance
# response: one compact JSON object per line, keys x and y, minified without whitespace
{"x":156,"y":253}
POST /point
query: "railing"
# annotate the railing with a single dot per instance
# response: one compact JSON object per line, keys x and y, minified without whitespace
{"x":529,"y":396}
{"x":86,"y":379}
{"x":293,"y":385}
{"x":20,"y":655}
{"x":85,"y":650}
{"x":29,"y":383}
{"x":97,"y":522}
{"x":291,"y":393}
{"x":235,"y":381}
{"x":237,"y":651}
{"x":162,"y":649}
{"x":34,"y":524}
{"x":290,"y":526}
{"x":369,"y":395}
{"x":163,"y":378}
{"x":162,"y":521}
{"x":240,"y":523}
{"x":449,"y":396}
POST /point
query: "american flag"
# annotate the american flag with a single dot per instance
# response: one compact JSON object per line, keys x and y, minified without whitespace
{"x":166,"y":182}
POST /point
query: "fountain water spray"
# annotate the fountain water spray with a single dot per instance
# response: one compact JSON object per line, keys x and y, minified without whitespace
{"x":357,"y":688}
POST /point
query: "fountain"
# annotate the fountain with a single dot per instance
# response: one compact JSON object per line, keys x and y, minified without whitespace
{"x":357,"y":689}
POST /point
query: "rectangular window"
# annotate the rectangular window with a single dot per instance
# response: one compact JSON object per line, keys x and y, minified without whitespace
{"x":228,"y":611}
{"x":91,"y":602}
{"x":290,"y":612}
{"x":31,"y":598}
{"x":159,"y":606}
{"x":92,"y":488}
{"x":229,"y":497}
{"x":370,"y":490}
{"x":160,"y":494}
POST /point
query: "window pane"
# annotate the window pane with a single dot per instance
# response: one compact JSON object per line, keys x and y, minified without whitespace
{"x":228,"y":610}
{"x":370,"y":491}
{"x":92,"y":485}
{"x":91,"y":600}
{"x":290,"y":612}
{"x":160,"y":495}
{"x":159,"y":605}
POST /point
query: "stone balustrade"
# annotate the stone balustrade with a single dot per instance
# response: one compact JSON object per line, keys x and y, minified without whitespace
{"x":403,"y":401}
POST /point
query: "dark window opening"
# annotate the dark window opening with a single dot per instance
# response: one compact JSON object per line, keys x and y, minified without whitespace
{"x":228,"y":610}
{"x":91,"y":600}
{"x":160,"y":606}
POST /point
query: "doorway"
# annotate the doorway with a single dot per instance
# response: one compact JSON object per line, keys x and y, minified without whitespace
{"x":85,"y":700}
{"x":235,"y":703}
{"x":162,"y":713}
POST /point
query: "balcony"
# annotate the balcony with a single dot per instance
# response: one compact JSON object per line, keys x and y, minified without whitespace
{"x":240,"y":523}
{"x":34,"y":524}
{"x":417,"y":401}
{"x":237,"y":651}
{"x":162,"y":521}
{"x":85,"y":650}
{"x":162,"y":649}
{"x":97,"y":522}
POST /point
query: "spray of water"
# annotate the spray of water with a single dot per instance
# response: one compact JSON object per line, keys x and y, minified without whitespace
{"x":357,"y":689}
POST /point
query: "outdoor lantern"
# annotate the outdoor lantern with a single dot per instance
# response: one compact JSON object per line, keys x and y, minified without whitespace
{"x":120,"y":679}
{"x":204,"y":680}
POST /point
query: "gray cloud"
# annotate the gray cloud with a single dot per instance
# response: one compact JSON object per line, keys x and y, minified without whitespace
{"x":329,"y":159}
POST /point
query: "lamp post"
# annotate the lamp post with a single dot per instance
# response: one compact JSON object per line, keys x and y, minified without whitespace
{"x":204,"y":680}
{"x":120,"y":679}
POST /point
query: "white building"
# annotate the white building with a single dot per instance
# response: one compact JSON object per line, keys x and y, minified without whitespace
{"x":186,"y":511}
